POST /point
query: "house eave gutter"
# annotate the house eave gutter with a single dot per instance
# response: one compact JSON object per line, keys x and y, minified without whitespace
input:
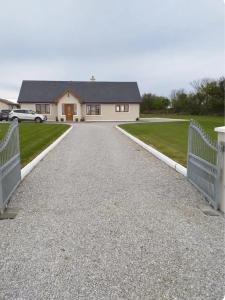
{"x":82,"y":102}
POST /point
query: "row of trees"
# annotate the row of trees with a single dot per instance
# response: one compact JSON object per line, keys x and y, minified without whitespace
{"x":152,"y":102}
{"x":207,"y":97}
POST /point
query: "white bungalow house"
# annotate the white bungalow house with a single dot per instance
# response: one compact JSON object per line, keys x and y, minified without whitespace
{"x":7,"y":104}
{"x":82,"y":100}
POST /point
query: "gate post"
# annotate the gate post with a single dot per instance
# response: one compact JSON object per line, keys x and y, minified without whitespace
{"x":221,"y":167}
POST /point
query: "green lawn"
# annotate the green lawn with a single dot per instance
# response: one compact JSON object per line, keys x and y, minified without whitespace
{"x":172,"y":138}
{"x":34,"y":138}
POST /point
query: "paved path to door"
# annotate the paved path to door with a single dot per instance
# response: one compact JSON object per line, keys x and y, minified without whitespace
{"x":100,"y":218}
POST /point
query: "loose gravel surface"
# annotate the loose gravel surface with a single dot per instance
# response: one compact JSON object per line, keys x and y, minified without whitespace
{"x":100,"y":218}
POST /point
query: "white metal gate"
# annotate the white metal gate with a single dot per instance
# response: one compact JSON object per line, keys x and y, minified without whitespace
{"x":10,"y":171}
{"x":202,"y":170}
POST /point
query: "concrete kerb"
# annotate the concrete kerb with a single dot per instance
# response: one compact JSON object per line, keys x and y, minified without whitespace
{"x":31,"y":165}
{"x":173,"y":164}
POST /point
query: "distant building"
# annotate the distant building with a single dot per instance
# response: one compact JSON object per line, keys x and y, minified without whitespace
{"x":7,"y":104}
{"x":82,"y":100}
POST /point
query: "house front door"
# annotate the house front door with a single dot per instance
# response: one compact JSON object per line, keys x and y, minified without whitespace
{"x":69,"y":111}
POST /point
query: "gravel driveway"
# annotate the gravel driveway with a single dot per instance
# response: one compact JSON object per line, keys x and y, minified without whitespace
{"x":100,"y":218}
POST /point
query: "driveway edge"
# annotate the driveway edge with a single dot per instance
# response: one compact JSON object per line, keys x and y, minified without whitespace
{"x":30,"y":166}
{"x":171,"y":163}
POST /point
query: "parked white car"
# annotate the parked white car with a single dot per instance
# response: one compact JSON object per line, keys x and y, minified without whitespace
{"x":26,"y":115}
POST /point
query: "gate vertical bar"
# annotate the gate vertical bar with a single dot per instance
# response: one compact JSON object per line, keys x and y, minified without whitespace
{"x":190,"y":137}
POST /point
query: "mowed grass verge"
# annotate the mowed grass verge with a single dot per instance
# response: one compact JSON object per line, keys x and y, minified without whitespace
{"x":172,"y":138}
{"x":34,"y":138}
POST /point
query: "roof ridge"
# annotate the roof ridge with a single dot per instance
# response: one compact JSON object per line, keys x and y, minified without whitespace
{"x":80,"y":81}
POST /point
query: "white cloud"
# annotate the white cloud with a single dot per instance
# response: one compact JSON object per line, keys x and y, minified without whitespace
{"x":160,"y":46}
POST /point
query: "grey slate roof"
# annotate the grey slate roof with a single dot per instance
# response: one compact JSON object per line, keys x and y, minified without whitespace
{"x":87,"y":91}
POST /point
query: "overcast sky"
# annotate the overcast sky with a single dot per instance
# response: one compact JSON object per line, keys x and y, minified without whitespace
{"x":161,"y":44}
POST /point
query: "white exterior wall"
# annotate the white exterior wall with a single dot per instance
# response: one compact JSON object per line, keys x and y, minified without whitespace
{"x":53,"y":109}
{"x":4,"y":105}
{"x":69,"y":99}
{"x":108,"y":113}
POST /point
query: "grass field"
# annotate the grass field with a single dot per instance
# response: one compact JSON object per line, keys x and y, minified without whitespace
{"x":207,"y":122}
{"x":178,"y":116}
{"x":172,"y":138}
{"x":34,"y":138}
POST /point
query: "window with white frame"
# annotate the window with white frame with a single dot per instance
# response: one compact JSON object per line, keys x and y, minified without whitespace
{"x":43,"y":108}
{"x":93,"y":109}
{"x":122,"y":107}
